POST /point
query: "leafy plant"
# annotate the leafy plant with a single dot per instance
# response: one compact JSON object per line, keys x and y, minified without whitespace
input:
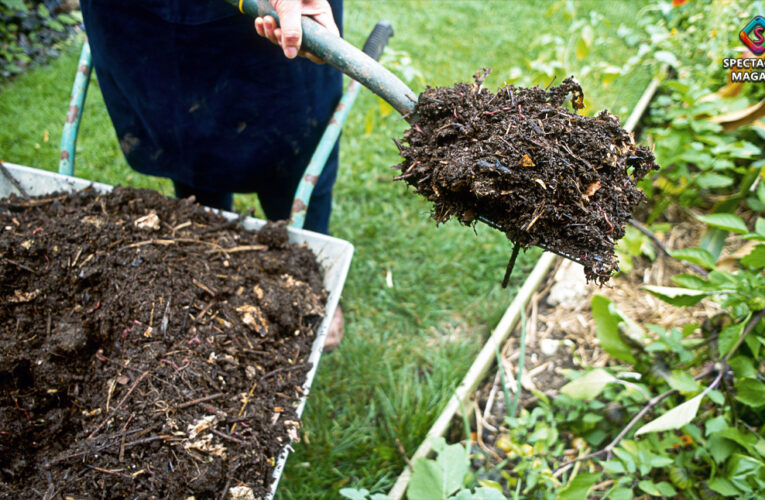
{"x":30,"y":32}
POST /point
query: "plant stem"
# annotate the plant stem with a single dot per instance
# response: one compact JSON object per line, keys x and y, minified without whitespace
{"x":503,"y":381}
{"x":511,"y":411}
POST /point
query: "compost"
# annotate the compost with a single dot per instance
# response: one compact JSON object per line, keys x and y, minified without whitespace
{"x":150,"y":348}
{"x":523,"y":161}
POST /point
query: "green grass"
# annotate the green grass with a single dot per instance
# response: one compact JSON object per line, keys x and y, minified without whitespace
{"x":406,"y":347}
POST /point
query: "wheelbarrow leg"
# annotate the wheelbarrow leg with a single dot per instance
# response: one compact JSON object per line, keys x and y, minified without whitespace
{"x":74,"y":114}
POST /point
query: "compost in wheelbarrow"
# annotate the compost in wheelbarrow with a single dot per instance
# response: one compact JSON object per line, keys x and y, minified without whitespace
{"x":149,"y":347}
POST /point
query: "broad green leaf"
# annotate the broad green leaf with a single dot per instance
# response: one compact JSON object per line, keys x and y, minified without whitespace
{"x":682,"y":382}
{"x":743,"y":367}
{"x":755,"y":258}
{"x":729,"y":222}
{"x":354,"y":494}
{"x":649,"y":487}
{"x":742,"y":466}
{"x":486,"y":493}
{"x":713,"y":241}
{"x":759,"y":226}
{"x":697,"y":256}
{"x":689,"y":281}
{"x":728,"y":337}
{"x":607,"y":330}
{"x":723,"y":487}
{"x":744,"y":439}
{"x":15,"y":5}
{"x":666,"y":57}
{"x":439,"y":478}
{"x":582,"y":49}
{"x":677,"y":296}
{"x":680,"y":477}
{"x":751,"y":392}
{"x":621,"y":494}
{"x":578,"y":488}
{"x":712,"y":180}
{"x":666,"y":489}
{"x":720,"y":448}
{"x":588,"y":386}
{"x":674,"y":418}
{"x":715,"y":425}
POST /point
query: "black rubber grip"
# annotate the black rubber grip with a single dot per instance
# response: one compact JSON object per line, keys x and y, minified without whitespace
{"x":378,"y":39}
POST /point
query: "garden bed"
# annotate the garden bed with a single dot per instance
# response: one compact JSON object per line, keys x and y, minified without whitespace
{"x":150,"y":347}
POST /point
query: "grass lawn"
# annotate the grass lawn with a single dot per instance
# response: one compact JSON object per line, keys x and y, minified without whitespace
{"x":406,"y":346}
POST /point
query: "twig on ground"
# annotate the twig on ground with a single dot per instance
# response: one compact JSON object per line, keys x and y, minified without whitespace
{"x":661,"y":246}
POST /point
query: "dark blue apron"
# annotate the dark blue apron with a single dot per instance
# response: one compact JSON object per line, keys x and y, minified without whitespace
{"x":195,"y":95}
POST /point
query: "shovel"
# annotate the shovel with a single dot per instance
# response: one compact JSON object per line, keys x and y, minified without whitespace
{"x":351,"y":61}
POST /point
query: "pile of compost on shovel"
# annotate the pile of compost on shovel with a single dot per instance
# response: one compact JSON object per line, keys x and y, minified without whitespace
{"x":525,"y":162}
{"x":150,"y":349}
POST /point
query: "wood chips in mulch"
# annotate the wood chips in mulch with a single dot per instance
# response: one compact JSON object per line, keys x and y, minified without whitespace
{"x":524,"y":162}
{"x":150,"y":349}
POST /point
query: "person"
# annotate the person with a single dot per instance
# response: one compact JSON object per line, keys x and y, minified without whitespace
{"x":194,"y":95}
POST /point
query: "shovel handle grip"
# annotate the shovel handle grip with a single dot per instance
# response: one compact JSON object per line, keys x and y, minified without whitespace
{"x":344,"y":57}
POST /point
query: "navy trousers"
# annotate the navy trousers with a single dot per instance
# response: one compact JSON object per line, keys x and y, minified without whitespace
{"x":196,"y":96}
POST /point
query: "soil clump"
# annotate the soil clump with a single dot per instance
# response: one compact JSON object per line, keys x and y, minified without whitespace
{"x":525,"y":163}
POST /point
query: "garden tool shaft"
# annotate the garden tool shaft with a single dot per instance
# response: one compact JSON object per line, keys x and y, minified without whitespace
{"x":344,"y":57}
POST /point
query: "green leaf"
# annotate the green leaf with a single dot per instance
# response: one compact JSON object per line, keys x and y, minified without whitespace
{"x":723,"y":487}
{"x":588,"y":386}
{"x":666,"y":57}
{"x":439,"y":478}
{"x":579,"y":487}
{"x":756,"y":258}
{"x":697,"y":256}
{"x":751,"y":392}
{"x":680,"y":477}
{"x":742,"y":466}
{"x":582,"y":49}
{"x":607,"y":330}
{"x":677,"y":296}
{"x":728,"y":337}
{"x":666,"y":489}
{"x":720,"y":448}
{"x":715,"y":425}
{"x":759,"y":226}
{"x":713,"y":240}
{"x":674,"y":418}
{"x":712,"y":180}
{"x":354,"y":494}
{"x":486,"y":493}
{"x":682,"y":382}
{"x":621,"y":494}
{"x":729,"y":222}
{"x":689,"y":281}
{"x":649,"y":487}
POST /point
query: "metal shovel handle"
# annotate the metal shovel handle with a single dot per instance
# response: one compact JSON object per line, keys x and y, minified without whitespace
{"x":343,"y":56}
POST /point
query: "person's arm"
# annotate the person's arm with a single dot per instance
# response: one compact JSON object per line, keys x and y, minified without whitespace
{"x":290,"y":35}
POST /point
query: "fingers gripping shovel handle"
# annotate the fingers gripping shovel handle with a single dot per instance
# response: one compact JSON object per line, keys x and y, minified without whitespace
{"x":343,"y":56}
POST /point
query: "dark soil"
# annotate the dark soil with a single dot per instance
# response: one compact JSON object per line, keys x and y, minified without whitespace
{"x":150,"y":349}
{"x":523,"y":161}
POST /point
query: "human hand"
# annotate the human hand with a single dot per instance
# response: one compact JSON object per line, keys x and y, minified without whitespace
{"x":290,"y":34}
